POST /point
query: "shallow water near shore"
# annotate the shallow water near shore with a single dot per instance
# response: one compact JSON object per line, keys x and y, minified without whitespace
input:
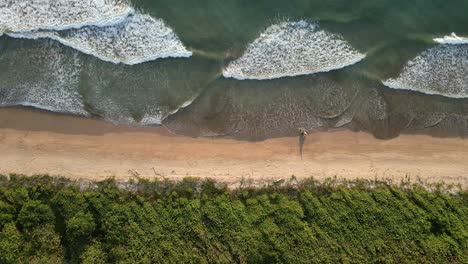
{"x":386,"y":41}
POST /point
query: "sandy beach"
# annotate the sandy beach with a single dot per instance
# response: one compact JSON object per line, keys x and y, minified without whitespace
{"x":35,"y":142}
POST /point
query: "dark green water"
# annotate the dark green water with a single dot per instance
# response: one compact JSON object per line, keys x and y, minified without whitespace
{"x":390,"y":33}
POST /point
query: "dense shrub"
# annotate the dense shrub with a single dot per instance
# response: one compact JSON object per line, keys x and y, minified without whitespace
{"x":52,"y":220}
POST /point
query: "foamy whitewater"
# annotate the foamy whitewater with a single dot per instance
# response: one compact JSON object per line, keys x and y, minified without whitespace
{"x":29,"y":15}
{"x":291,"y":49}
{"x":155,"y":116}
{"x":137,"y":39}
{"x":118,"y":114}
{"x":49,"y":80}
{"x":453,"y":39}
{"x":442,"y":70}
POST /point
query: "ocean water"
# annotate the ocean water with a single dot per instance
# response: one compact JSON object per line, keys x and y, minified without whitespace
{"x":247,"y":69}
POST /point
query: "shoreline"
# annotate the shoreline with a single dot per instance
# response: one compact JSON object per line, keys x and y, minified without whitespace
{"x":38,"y":142}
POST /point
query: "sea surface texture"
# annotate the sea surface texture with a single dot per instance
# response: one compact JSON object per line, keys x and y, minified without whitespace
{"x":245,"y":69}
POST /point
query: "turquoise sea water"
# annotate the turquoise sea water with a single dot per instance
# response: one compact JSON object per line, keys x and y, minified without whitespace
{"x":191,"y":96}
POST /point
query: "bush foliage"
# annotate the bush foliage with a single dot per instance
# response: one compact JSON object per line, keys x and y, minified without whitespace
{"x":54,"y":220}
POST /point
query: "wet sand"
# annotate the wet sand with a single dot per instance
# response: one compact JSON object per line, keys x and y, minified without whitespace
{"x":36,"y":142}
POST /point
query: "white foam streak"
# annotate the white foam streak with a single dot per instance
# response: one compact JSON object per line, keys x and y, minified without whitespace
{"x":138,"y":39}
{"x":453,"y":39}
{"x":291,"y":49}
{"x":29,"y":15}
{"x":155,"y":116}
{"x":157,"y":119}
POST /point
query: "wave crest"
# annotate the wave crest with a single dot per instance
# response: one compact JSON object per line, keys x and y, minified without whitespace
{"x":138,"y":39}
{"x":291,"y":49}
{"x":453,"y":39}
{"x":442,"y":70}
{"x":29,"y":15}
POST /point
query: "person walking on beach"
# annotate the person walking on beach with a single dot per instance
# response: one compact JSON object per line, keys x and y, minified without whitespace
{"x":302,"y":138}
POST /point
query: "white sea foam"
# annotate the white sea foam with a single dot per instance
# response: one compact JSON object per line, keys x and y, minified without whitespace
{"x":47,"y":78}
{"x":453,"y":39}
{"x":29,"y":15}
{"x":137,"y":39}
{"x":118,"y":114}
{"x":149,"y":120}
{"x":291,"y":49}
{"x":153,"y":115}
{"x":442,"y":70}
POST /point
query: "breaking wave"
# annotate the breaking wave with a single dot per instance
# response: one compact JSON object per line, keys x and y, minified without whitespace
{"x":137,"y":39}
{"x":291,"y":49}
{"x":48,"y":79}
{"x":442,"y":70}
{"x":29,"y":15}
{"x":157,"y":118}
{"x":114,"y":112}
{"x":452,"y":39}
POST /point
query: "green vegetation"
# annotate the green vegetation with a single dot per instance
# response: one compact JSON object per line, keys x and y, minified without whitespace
{"x":54,"y":220}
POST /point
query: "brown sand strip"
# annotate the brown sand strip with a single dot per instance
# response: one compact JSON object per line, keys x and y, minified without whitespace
{"x":34,"y":142}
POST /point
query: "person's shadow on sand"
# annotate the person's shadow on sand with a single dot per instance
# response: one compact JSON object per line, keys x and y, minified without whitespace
{"x":302,"y":138}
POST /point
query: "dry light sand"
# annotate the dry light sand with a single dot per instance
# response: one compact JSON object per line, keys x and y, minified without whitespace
{"x":34,"y":142}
